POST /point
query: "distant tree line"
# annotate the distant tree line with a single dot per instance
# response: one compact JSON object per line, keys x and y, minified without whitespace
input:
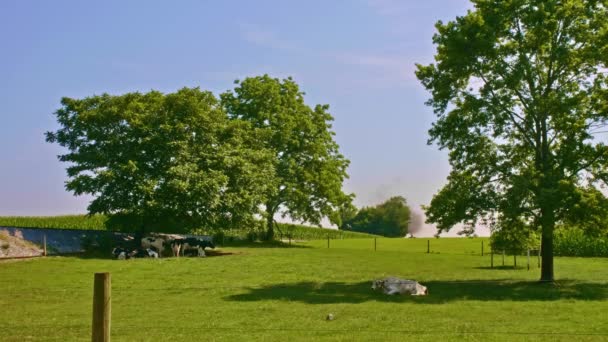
{"x":390,"y":218}
{"x":189,"y":159}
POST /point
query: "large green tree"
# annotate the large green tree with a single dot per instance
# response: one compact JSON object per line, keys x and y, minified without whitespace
{"x":309,"y":169}
{"x":163,"y":161}
{"x":390,"y":218}
{"x":520,"y":92}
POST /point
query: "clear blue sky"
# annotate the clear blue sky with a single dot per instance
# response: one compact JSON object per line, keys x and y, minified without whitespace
{"x":355,"y":55}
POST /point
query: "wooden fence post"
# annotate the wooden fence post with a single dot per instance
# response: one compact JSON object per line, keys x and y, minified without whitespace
{"x":374,"y":244}
{"x":44,"y":244}
{"x":528,"y":259}
{"x":503,"y":257}
{"x":102,"y":301}
{"x":481,"y":247}
{"x":539,"y":258}
{"x":514,"y":260}
{"x":327,"y":240}
{"x":428,"y":246}
{"x":491,"y":258}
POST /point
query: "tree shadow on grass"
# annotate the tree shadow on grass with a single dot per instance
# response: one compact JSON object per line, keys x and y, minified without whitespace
{"x":439,"y":292}
{"x":262,"y":244}
{"x":499,"y":268}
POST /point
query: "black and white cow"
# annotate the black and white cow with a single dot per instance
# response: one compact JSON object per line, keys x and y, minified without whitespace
{"x":123,"y":253}
{"x":198,"y":245}
{"x":144,"y":253}
{"x":176,"y":246}
{"x":120,"y":253}
{"x":159,"y":241}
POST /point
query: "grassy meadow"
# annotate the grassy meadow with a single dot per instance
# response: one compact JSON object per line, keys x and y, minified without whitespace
{"x":261,"y":292}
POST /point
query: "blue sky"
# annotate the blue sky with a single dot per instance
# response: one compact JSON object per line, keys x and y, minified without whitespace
{"x":357,"y":56}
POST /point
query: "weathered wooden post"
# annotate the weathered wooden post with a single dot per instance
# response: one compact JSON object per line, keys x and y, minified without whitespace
{"x":44,"y":244}
{"x":428,"y":246}
{"x":102,"y":301}
{"x":327,"y":240}
{"x":528,"y":259}
{"x":503,"y":257}
{"x":374,"y":244}
{"x":491,"y":258}
{"x":539,"y":258}
{"x":514,"y":260}
{"x":481,"y":247}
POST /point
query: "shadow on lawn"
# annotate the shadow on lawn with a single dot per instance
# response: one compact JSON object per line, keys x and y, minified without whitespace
{"x":263,"y":244}
{"x":439,"y":292}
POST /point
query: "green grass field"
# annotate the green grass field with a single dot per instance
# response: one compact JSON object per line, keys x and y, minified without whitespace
{"x":262,"y":293}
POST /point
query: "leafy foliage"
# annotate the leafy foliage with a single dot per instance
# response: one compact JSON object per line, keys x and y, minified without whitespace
{"x":390,"y":218}
{"x":159,"y":161}
{"x":513,"y":241}
{"x":519,"y":89}
{"x":308,"y":168}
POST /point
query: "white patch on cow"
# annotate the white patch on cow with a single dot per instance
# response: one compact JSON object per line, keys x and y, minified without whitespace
{"x":152,"y":253}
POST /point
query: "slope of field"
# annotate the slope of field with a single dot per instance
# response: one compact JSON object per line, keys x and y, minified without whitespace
{"x":282,"y":294}
{"x":14,"y":246}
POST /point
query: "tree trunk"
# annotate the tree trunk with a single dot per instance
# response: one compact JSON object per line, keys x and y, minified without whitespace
{"x":269,"y":224}
{"x":548,"y":225}
{"x":547,"y":204}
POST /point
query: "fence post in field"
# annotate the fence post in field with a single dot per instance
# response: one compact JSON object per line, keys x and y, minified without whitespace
{"x":481,"y":247}
{"x":327,"y":240}
{"x":374,"y":244}
{"x":491,"y":258}
{"x":528,"y":259}
{"x":44,"y":244}
{"x":101,"y":307}
{"x":514,"y":260}
{"x":428,"y":246}
{"x":539,"y":258}
{"x":503,"y":257}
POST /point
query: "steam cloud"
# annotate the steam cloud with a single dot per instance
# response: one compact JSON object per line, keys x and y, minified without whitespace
{"x":416,"y":221}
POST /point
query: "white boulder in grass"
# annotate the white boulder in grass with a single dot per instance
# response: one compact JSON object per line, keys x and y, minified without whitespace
{"x":393,"y":285}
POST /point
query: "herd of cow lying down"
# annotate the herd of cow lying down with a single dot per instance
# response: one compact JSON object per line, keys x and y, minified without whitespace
{"x":153,"y":246}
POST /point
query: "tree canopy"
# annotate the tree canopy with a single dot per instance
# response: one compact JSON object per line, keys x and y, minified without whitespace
{"x":169,"y":161}
{"x":520,"y":91}
{"x":309,"y":169}
{"x":390,"y":218}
